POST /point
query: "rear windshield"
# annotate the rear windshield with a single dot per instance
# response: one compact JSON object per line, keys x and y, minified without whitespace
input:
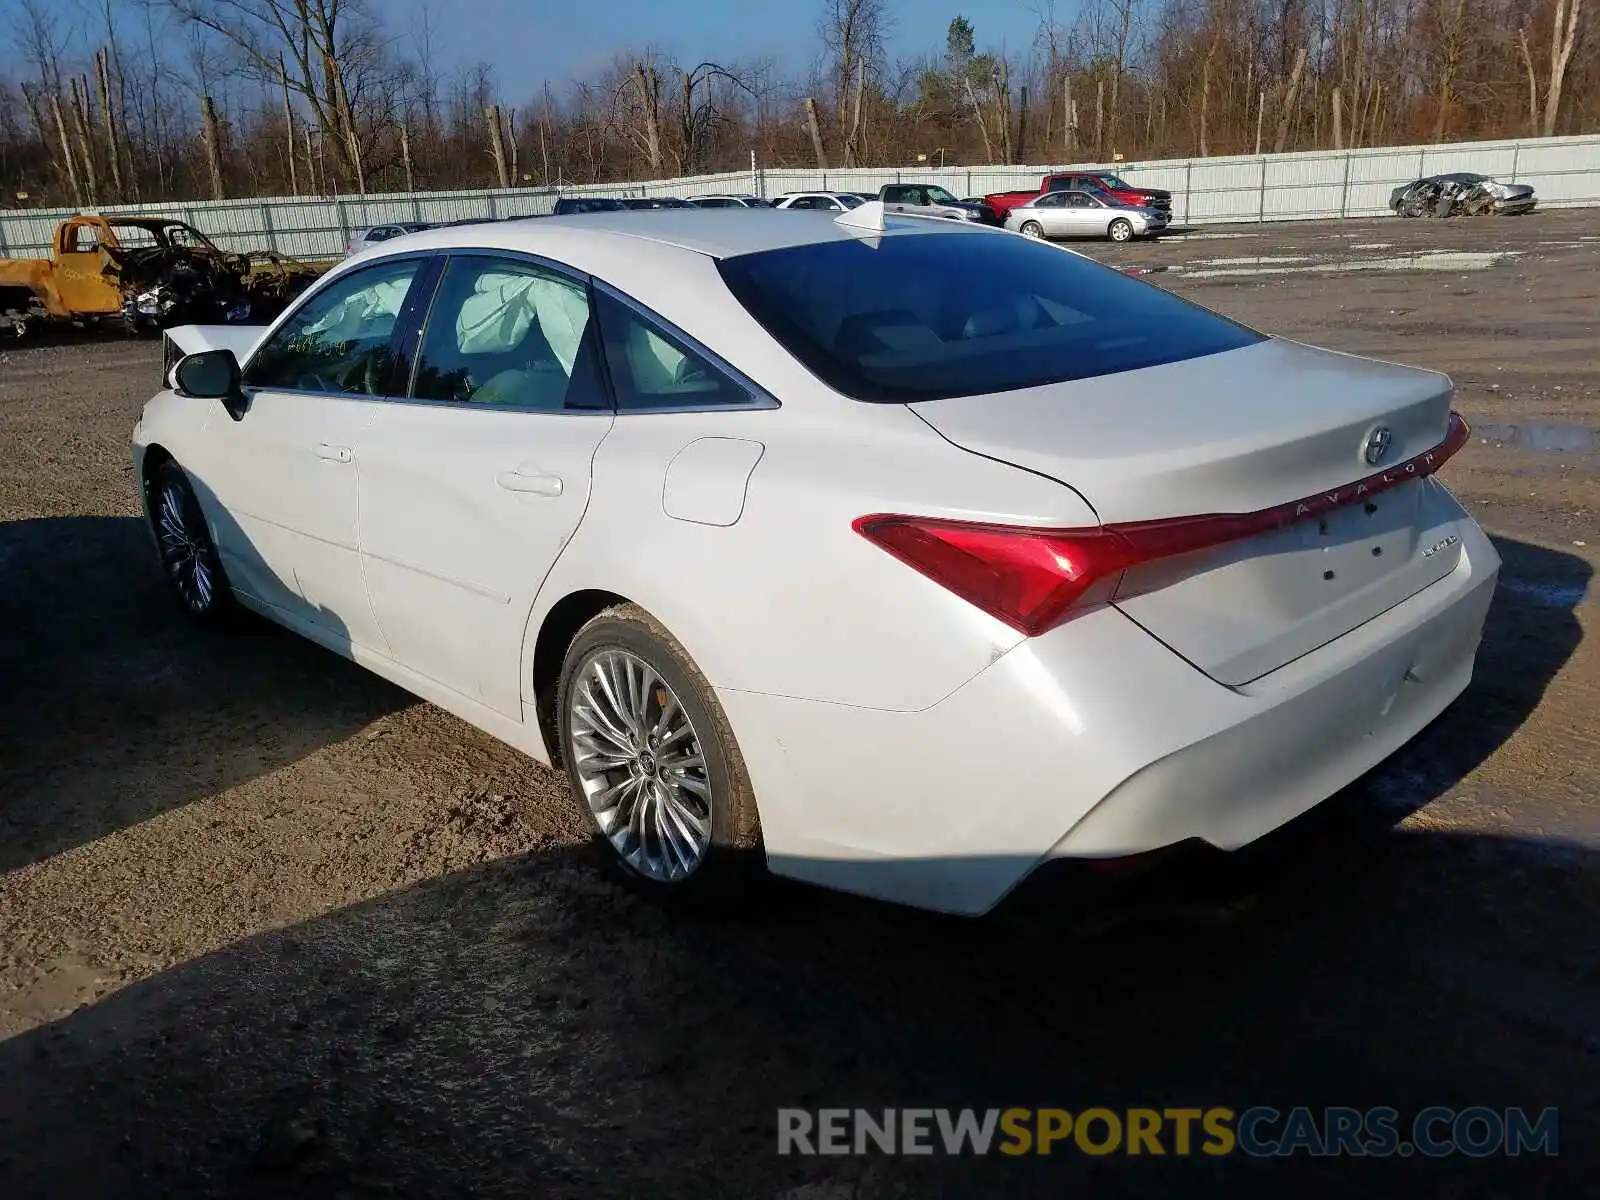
{"x":926,"y":316}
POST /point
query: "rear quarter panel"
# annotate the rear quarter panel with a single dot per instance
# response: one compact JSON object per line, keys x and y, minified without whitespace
{"x":789,"y":599}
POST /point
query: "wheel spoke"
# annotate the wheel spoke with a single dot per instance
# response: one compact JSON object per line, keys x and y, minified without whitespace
{"x":595,"y":746}
{"x":669,"y":711}
{"x":677,"y":735}
{"x":602,"y":725}
{"x":609,"y":700}
{"x":690,"y":823}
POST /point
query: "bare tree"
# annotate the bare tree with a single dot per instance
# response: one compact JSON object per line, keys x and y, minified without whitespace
{"x":853,"y":34}
{"x":322,"y":42}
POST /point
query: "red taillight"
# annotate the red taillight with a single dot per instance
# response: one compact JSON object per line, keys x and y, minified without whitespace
{"x":1030,"y":578}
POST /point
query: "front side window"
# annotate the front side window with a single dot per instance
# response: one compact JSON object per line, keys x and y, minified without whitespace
{"x":933,"y":314}
{"x":937,"y":195}
{"x":654,"y":367}
{"x":510,"y":334}
{"x":338,"y":341}
{"x":1080,"y":200}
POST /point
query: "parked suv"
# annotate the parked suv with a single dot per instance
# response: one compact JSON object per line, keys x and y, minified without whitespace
{"x":931,"y":200}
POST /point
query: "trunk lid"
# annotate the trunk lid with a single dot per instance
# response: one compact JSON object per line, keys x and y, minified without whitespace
{"x":1239,"y":432}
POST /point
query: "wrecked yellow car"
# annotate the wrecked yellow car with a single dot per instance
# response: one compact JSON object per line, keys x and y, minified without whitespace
{"x":151,"y":272}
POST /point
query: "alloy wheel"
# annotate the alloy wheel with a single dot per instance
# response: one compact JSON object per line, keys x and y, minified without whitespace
{"x":638,"y":761}
{"x":186,"y":551}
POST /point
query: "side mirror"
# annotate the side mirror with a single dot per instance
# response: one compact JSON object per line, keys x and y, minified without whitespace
{"x":212,"y":375}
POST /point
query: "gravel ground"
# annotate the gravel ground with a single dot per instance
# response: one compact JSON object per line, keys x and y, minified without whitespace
{"x":269,"y":926}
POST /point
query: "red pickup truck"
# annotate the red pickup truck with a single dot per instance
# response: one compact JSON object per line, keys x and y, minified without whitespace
{"x":1103,"y":181}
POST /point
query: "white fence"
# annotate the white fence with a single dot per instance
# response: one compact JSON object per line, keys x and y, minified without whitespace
{"x":1275,"y":187}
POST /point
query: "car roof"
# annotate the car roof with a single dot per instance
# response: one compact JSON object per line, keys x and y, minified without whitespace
{"x":721,"y":234}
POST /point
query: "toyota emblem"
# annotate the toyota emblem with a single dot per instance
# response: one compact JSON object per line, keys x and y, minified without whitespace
{"x":1377,"y":444}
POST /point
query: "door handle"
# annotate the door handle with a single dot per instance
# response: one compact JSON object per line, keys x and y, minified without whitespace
{"x":338,"y":454}
{"x":535,"y":485}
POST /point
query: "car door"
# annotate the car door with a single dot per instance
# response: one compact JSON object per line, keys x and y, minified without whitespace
{"x":81,"y":274}
{"x":1047,"y":211}
{"x":284,"y":476}
{"x":1081,"y":216}
{"x":471,"y":485}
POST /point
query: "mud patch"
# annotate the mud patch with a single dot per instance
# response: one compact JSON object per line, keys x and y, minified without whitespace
{"x":1425,"y":260}
{"x":1550,"y":437}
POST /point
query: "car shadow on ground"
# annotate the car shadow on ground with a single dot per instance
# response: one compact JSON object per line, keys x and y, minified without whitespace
{"x":111,"y":700}
{"x":528,"y":1027}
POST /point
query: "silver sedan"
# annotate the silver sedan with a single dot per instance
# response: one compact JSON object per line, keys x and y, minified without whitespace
{"x":1083,"y":214}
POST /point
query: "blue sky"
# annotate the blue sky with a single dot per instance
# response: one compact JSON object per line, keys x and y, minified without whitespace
{"x":533,"y":40}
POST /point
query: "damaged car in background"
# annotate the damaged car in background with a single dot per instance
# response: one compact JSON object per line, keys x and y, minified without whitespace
{"x":152,"y":272}
{"x":1461,"y":194}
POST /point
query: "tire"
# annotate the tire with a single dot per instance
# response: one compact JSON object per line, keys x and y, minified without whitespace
{"x":188,"y":557}
{"x":1031,"y":229}
{"x":696,"y":841}
{"x":1120,"y":230}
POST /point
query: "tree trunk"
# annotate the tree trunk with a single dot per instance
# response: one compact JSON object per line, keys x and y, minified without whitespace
{"x":1293,"y":91}
{"x":102,"y":71}
{"x":288,"y":127}
{"x":544,"y":149}
{"x":497,"y":144}
{"x":83,"y":129}
{"x":650,"y":100}
{"x":1533,"y":82}
{"x":311,"y":164}
{"x":352,"y":142}
{"x":1205,"y":98}
{"x":1002,"y":99}
{"x":816,"y":134}
{"x":511,"y":146}
{"x":852,"y":139}
{"x":1069,"y":114}
{"x":1100,"y":120}
{"x":1562,"y":37}
{"x":67,"y":158}
{"x":1022,"y":122}
{"x":211,"y":132}
{"x":405,"y":154}
{"x":983,"y":125}
{"x":1338,"y":121}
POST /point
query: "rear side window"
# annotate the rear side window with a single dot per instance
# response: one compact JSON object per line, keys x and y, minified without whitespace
{"x":655,"y":367}
{"x":929,"y":315}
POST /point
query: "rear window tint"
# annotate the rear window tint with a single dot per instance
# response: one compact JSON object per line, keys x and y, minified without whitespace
{"x":926,"y":316}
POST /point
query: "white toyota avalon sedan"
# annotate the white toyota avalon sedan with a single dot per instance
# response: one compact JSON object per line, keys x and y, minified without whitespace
{"x":903,"y":556}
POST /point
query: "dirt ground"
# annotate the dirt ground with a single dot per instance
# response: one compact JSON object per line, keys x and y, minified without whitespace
{"x":269,"y":926}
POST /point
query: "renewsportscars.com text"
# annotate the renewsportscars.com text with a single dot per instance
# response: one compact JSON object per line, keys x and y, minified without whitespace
{"x":1259,"y":1132}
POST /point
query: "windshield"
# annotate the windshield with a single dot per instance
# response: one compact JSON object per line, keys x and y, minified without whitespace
{"x":930,"y":315}
{"x":1112,"y":181}
{"x":849,"y":201}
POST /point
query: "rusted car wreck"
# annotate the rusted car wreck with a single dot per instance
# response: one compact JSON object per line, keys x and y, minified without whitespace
{"x":151,"y":272}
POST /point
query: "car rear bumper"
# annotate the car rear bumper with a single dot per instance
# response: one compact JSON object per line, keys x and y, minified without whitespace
{"x":1095,"y":741}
